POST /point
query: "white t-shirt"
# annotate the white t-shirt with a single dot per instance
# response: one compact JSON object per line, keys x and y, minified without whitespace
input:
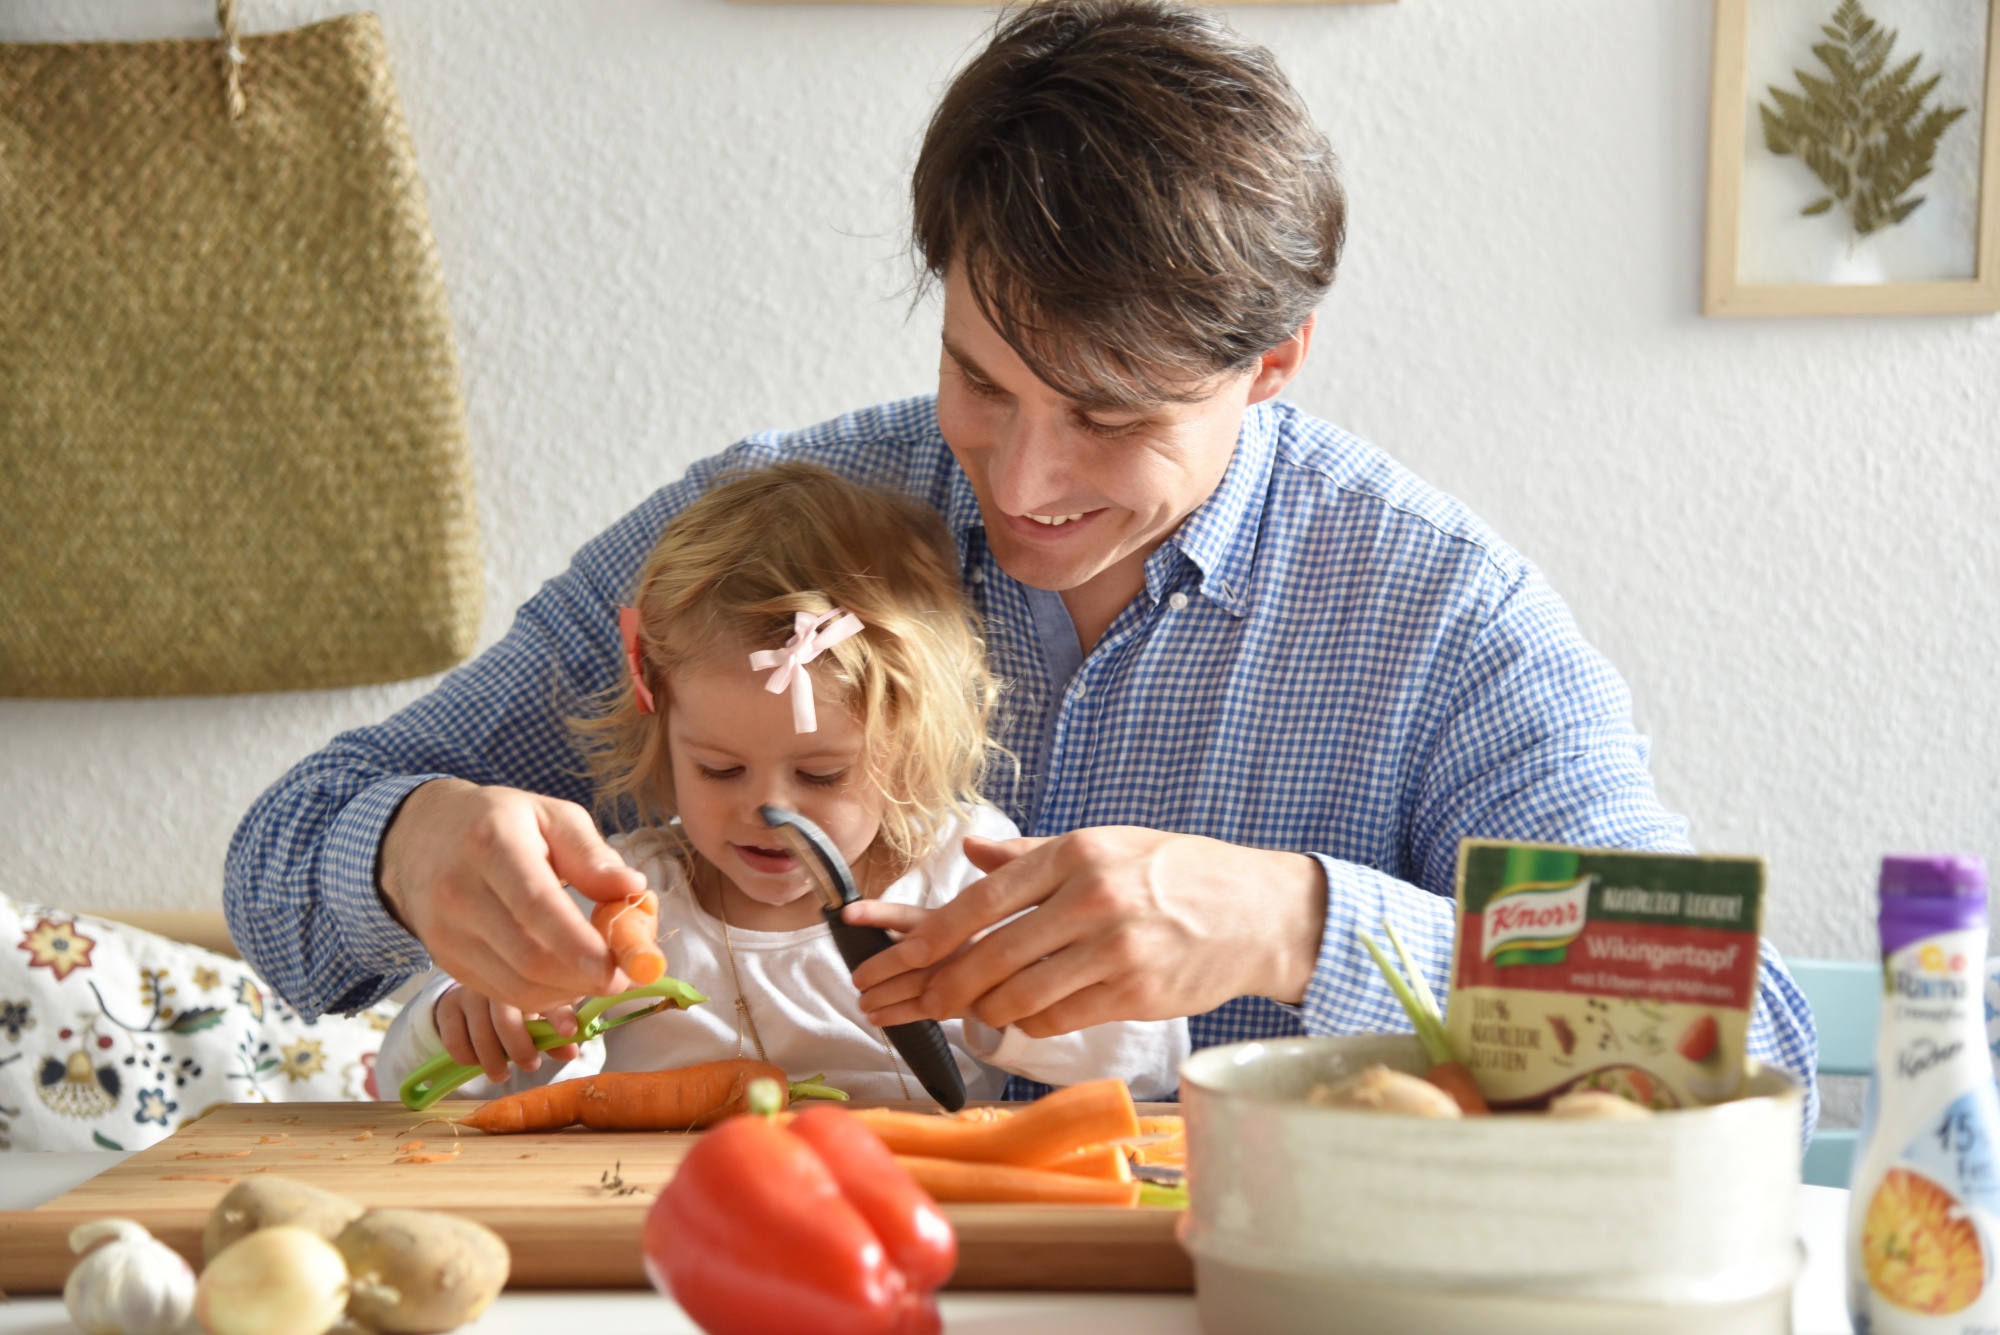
{"x":798,"y":993}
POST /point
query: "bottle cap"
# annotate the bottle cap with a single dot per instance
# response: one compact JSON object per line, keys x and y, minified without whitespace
{"x":1925,"y":894}
{"x":1933,"y":876}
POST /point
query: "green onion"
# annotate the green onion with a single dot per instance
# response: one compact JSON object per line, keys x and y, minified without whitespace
{"x":1419,"y":1003}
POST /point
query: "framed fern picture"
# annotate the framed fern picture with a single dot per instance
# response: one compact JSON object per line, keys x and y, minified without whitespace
{"x":1854,"y":158}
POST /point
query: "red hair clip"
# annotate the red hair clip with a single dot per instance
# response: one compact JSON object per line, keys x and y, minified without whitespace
{"x":635,"y":662}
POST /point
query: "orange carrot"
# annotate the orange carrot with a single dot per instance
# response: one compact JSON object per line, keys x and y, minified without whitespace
{"x":1107,"y":1163}
{"x":1170,"y":1152}
{"x":1039,"y":1134}
{"x":984,"y":1113}
{"x":1455,"y":1080}
{"x":631,"y":927}
{"x":1172,"y":1124}
{"x":678,"y":1099}
{"x":957,"y":1180}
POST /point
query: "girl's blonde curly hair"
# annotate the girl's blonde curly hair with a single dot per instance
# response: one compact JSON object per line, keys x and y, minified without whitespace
{"x":725,"y":579}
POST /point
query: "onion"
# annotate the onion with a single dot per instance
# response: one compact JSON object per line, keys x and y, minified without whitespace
{"x":1379,"y":1089}
{"x":277,"y":1281}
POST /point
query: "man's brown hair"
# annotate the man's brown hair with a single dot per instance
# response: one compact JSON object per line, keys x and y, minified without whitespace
{"x":1138,"y":197}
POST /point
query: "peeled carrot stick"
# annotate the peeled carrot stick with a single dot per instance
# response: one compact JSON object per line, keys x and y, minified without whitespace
{"x":1455,"y":1080}
{"x":678,"y":1099}
{"x":957,"y":1180}
{"x":1044,"y":1131}
{"x":631,"y":927}
{"x":1107,"y":1163}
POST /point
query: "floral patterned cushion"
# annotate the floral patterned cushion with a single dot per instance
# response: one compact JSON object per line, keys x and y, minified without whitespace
{"x":111,"y":1038}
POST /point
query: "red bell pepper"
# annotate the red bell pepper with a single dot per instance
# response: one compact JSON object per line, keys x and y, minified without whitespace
{"x":808,"y":1227}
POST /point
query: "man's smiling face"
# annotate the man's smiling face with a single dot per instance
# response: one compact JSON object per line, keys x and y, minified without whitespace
{"x":1073,"y":491}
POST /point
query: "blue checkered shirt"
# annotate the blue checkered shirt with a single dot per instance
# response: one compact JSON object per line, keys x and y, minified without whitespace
{"x":1328,"y":656}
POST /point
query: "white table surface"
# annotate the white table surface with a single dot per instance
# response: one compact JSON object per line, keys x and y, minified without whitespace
{"x":1819,"y":1305}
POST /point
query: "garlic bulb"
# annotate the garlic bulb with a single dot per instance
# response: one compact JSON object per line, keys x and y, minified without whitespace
{"x":131,"y":1285}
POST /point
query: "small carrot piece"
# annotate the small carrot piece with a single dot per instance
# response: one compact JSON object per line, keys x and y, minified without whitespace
{"x":1107,"y":1163}
{"x":1168,"y":1153}
{"x":1455,"y":1080}
{"x":678,"y":1099}
{"x":631,"y":927}
{"x":958,"y":1180}
{"x":1040,"y":1133}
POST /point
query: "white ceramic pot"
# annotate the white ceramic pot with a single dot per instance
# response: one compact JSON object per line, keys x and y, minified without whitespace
{"x":1306,"y":1218}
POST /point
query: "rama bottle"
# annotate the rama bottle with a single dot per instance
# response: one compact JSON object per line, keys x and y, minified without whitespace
{"x":1923,"y":1224}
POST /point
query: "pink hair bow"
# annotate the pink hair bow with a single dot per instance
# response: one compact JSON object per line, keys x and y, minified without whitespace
{"x":811,"y":636}
{"x":635,"y":662}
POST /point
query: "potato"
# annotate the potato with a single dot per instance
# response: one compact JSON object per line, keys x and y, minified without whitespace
{"x":265,"y":1202}
{"x":1598,"y":1104}
{"x":1379,"y":1089}
{"x":414,"y":1270}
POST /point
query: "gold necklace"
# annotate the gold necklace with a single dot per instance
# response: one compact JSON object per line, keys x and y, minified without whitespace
{"x":743,"y":1016}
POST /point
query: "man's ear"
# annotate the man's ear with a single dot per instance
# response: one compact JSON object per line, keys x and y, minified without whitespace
{"x":1278,"y":367}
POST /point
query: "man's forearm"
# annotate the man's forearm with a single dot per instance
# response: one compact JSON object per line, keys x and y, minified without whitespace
{"x":299,"y":890}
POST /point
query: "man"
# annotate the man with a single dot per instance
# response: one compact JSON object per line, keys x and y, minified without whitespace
{"x":1262,"y":680}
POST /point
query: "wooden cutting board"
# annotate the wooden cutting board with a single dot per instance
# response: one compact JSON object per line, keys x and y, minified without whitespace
{"x":569,"y":1204}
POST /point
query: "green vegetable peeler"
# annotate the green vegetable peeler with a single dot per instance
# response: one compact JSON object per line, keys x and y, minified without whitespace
{"x":441,"y":1075}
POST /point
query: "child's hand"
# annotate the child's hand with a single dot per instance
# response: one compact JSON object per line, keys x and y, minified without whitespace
{"x":478,"y":1031}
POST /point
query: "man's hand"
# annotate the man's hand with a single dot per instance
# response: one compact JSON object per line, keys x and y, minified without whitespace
{"x":1129,"y":924}
{"x":476,"y":874}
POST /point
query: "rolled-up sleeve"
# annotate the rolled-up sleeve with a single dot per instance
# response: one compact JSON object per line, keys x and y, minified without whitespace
{"x":1537,"y":745}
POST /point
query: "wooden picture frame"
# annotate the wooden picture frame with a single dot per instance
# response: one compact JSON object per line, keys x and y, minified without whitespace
{"x":1725,"y":290}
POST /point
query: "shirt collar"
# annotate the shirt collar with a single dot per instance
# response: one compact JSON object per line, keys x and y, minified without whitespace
{"x":961,"y":503}
{"x":1220,"y":537}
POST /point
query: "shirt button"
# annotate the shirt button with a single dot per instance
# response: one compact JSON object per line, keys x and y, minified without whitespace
{"x":978,"y":575}
{"x":1177,"y":601}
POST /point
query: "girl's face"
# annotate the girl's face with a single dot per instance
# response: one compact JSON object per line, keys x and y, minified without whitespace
{"x":733,"y":750}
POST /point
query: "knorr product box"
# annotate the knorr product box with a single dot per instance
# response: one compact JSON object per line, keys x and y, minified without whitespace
{"x":1585,"y":968}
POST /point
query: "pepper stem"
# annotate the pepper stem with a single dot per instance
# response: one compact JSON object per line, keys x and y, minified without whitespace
{"x":765,"y":1097}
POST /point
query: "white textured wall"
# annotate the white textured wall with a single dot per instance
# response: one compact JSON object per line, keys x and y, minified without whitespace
{"x":665,"y":223}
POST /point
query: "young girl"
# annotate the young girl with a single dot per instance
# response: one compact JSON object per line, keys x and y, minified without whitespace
{"x":796,"y":640}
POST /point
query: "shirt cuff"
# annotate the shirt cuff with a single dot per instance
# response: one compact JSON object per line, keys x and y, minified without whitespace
{"x":371,"y":939}
{"x":996,"y":1047}
{"x":1348,"y":994}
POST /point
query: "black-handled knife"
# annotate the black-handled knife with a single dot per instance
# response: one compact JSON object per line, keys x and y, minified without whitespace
{"x":921,"y":1042}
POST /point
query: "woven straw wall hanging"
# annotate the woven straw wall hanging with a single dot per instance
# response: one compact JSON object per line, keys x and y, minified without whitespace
{"x":232,"y":443}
